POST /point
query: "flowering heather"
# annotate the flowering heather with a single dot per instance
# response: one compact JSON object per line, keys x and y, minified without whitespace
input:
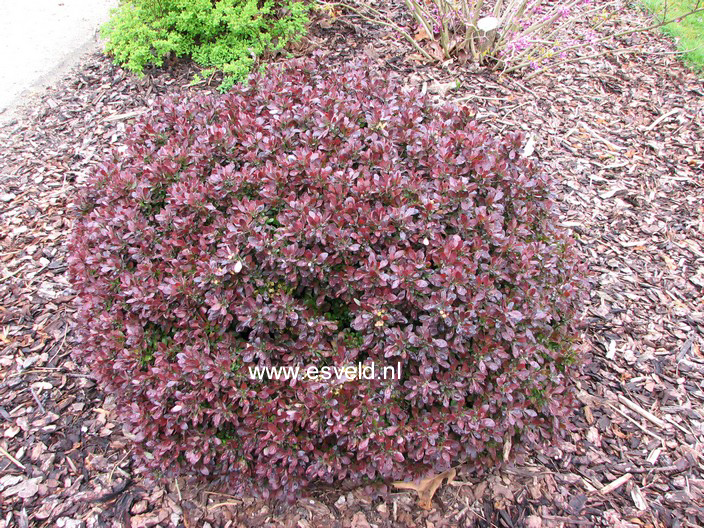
{"x":329,"y":219}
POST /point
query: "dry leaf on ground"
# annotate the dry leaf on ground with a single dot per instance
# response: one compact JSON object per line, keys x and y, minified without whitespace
{"x":427,"y":487}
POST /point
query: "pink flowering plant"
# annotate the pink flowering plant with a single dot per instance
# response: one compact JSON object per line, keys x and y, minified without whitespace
{"x":508,"y":34}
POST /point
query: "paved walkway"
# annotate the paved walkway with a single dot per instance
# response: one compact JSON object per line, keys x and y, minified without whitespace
{"x":40,"y":40}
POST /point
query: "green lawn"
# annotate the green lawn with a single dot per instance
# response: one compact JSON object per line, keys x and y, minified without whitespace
{"x":689,"y":32}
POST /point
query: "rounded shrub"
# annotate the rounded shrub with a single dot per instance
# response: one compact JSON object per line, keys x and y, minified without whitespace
{"x":219,"y":35}
{"x":326,"y":220}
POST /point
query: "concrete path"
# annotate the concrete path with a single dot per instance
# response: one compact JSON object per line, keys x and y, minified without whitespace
{"x":40,"y":40}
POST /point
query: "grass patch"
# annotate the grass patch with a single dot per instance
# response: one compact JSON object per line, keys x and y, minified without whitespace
{"x":688,"y":33}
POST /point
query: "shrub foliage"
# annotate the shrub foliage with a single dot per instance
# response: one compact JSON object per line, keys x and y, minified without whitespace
{"x":325,"y":219}
{"x":224,"y":35}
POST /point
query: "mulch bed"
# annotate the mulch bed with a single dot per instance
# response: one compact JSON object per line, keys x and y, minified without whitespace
{"x":625,"y":133}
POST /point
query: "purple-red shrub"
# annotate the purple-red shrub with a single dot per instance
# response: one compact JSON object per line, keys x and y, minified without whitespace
{"x":314,"y":218}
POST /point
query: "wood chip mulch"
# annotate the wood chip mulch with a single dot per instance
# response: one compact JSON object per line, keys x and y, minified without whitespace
{"x":624,"y":133}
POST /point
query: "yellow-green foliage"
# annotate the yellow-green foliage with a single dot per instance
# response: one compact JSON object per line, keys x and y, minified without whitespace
{"x":689,"y":32}
{"x":224,"y":35}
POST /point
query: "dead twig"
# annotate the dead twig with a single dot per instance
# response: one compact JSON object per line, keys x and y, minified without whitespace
{"x":112,"y":472}
{"x":639,"y":426}
{"x":11,"y":458}
{"x":645,"y":414}
{"x":662,"y":118}
{"x":616,"y":484}
{"x":126,"y":115}
{"x":36,"y":399}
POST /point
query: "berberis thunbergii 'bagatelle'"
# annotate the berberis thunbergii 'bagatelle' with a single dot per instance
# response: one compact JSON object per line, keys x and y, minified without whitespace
{"x":326,"y":219}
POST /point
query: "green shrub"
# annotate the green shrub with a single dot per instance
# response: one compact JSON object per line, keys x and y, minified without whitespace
{"x":224,"y":36}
